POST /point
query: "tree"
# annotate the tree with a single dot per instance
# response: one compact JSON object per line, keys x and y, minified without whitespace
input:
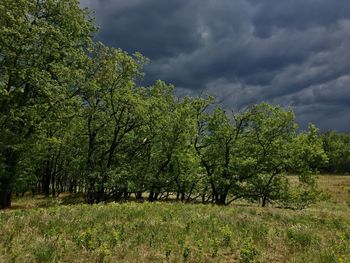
{"x":337,"y":148}
{"x":166,"y":142}
{"x":220,"y":147}
{"x":42,"y":50}
{"x":220,"y":154}
{"x":113,"y":108}
{"x":276,"y":149}
{"x":308,"y":156}
{"x":73,"y":118}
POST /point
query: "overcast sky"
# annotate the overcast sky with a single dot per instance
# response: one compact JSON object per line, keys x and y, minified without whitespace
{"x":288,"y":52}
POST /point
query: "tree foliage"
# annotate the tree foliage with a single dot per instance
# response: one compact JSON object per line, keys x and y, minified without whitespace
{"x":74,"y":118}
{"x":337,"y":148}
{"x":42,"y":52}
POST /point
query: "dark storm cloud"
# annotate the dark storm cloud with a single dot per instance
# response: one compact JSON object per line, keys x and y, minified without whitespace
{"x":294,"y":52}
{"x":297,"y":14}
{"x":154,"y":28}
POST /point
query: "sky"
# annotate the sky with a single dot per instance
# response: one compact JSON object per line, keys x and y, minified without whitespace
{"x":295,"y":53}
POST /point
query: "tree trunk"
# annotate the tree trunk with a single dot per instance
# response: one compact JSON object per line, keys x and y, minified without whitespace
{"x":47,"y":178}
{"x":264,"y":200}
{"x":150,"y":196}
{"x":221,"y":200}
{"x":190,"y":193}
{"x":204,"y":194}
{"x":153,"y":196}
{"x":138,"y":195}
{"x":5,"y":199}
{"x":90,"y":197}
{"x":53,"y":185}
{"x":126,"y":195}
{"x":100,"y":195}
{"x":183,"y":196}
{"x":46,"y":186}
{"x":8,"y":178}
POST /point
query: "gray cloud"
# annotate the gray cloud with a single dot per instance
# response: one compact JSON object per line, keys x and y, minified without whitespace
{"x":294,"y":53}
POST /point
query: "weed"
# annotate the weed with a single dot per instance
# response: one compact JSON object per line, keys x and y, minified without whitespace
{"x":248,"y":252}
{"x":226,"y":233}
{"x":187,"y":253}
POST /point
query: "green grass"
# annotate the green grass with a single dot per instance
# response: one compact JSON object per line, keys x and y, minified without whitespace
{"x":175,"y":232}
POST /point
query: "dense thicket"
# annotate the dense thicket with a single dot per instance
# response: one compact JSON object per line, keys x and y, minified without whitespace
{"x":74,"y":119}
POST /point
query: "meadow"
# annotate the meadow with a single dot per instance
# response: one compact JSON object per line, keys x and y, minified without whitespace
{"x":48,"y":230}
{"x":77,"y":116}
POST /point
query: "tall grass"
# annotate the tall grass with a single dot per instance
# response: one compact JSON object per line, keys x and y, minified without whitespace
{"x":175,"y":232}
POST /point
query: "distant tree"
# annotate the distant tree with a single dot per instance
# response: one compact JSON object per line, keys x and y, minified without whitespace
{"x":308,"y":157}
{"x":337,"y":148}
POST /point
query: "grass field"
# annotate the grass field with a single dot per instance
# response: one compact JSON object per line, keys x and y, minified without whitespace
{"x":176,"y":232}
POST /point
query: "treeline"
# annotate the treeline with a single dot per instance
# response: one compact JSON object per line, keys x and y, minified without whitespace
{"x":74,"y":118}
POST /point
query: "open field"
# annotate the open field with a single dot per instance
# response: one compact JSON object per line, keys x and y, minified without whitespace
{"x":337,"y":186}
{"x":176,"y":232}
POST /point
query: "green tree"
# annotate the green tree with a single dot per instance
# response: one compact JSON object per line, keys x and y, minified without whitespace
{"x":308,"y":157}
{"x":276,"y":149}
{"x":42,"y":50}
{"x":337,"y":147}
{"x":220,"y":147}
{"x":166,"y":143}
{"x":220,"y":153}
{"x":113,"y":108}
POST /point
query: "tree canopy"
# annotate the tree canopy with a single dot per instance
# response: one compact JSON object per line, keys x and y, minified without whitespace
{"x":74,"y":118}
